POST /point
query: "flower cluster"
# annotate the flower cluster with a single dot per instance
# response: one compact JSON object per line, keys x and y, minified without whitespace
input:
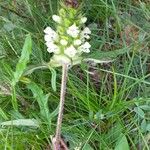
{"x":70,"y":39}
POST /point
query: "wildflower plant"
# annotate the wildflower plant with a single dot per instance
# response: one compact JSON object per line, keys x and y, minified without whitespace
{"x":68,"y":41}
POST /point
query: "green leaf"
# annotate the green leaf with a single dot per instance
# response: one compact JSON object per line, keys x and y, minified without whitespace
{"x":140,"y":112}
{"x":148,"y":127}
{"x":24,"y":59}
{"x":145,"y":107}
{"x":31,"y":69}
{"x":143,"y":125}
{"x":108,"y":55}
{"x":21,"y":66}
{"x":42,"y":100}
{"x":87,"y":147}
{"x":53,"y":78}
{"x":9,"y":26}
{"x":96,"y":61}
{"x":55,"y":112}
{"x":21,"y":122}
{"x":2,"y":113}
{"x":122,"y":143}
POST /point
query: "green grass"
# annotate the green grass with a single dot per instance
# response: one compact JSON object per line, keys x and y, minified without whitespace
{"x":107,"y":105}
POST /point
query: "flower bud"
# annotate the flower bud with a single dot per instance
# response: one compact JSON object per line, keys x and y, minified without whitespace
{"x":63,"y":42}
{"x":83,"y":20}
{"x":56,"y":18}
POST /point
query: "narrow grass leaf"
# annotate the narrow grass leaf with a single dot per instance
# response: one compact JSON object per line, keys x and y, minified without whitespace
{"x":115,"y":91}
{"x":53,"y":78}
{"x":2,"y":114}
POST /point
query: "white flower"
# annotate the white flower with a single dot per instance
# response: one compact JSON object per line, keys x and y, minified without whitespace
{"x":85,"y":33}
{"x":73,"y":31}
{"x":48,"y":38}
{"x":48,"y":30}
{"x":62,"y":59}
{"x":70,"y":51}
{"x":63,"y":42}
{"x":56,"y":18}
{"x":52,"y":48}
{"x":83,"y":20}
{"x":85,"y":47}
{"x":77,"y":42}
{"x":50,"y":35}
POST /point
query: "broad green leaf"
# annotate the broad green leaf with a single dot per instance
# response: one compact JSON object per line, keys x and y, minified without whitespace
{"x":87,"y":147}
{"x":21,"y":122}
{"x":143,"y":125}
{"x":9,"y":26}
{"x":24,"y":59}
{"x":21,"y":66}
{"x":108,"y":55}
{"x":145,"y":107}
{"x":148,"y":127}
{"x":122,"y":143}
{"x":42,"y":100}
{"x":140,"y":112}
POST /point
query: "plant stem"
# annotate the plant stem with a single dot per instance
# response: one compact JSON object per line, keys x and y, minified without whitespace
{"x":61,"y":106}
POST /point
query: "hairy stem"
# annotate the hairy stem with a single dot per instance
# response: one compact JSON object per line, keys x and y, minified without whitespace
{"x":61,"y":106}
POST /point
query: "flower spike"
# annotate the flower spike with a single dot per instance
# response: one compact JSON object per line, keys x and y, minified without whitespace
{"x":70,"y":40}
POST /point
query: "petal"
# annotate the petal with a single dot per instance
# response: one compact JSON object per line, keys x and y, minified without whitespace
{"x":87,"y":30}
{"x":70,"y":51}
{"x":77,"y":42}
{"x":48,"y":30}
{"x":48,"y":38}
{"x":86,"y":50}
{"x":56,"y":18}
{"x":73,"y":31}
{"x":49,"y":43}
{"x":83,"y":20}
